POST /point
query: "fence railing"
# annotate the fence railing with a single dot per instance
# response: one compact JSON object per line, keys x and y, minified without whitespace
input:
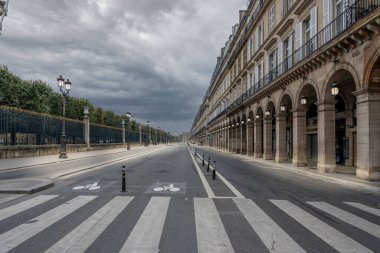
{"x":340,"y":24}
{"x":18,"y":127}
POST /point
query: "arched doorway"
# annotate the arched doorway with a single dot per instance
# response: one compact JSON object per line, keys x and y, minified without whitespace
{"x":258,"y":133}
{"x":244,"y":135}
{"x":368,"y":122}
{"x":344,"y":138}
{"x":305,"y":127}
{"x":270,"y":132}
{"x":284,"y":130}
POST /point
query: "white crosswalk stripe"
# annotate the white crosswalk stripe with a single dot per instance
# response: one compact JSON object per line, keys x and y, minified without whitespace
{"x":364,"y":208}
{"x":211,"y":235}
{"x":145,"y":236}
{"x":330,"y":235}
{"x":349,"y":218}
{"x":23,"y":206}
{"x":86,"y":233}
{"x":19,"y":234}
{"x":274,"y":238}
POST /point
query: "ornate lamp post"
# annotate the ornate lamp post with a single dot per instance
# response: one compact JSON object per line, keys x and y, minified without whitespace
{"x":129,"y":115}
{"x":147,"y":137}
{"x":64,"y":87}
{"x":159,"y":136}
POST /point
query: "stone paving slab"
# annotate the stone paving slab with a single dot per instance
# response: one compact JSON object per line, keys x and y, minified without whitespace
{"x":25,"y":186}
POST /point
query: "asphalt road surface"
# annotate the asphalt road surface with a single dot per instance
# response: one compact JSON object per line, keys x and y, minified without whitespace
{"x":172,"y":204}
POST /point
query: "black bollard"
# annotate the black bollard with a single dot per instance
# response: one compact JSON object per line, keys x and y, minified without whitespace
{"x":208,"y":164}
{"x":203,"y":160}
{"x":123,"y":179}
{"x":214,"y":171}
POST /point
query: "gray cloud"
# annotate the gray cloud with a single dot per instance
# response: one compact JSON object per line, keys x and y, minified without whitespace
{"x":151,"y":57}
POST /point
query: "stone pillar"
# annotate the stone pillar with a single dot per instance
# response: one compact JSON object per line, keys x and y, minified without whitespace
{"x":250,"y":139}
{"x":368,"y":136}
{"x":236,"y":139}
{"x":268,"y":154}
{"x":281,"y":138}
{"x":86,"y":121}
{"x":326,"y":137}
{"x":299,"y":138}
{"x":258,"y":131}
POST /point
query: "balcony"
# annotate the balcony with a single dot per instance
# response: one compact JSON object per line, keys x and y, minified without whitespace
{"x":323,"y":40}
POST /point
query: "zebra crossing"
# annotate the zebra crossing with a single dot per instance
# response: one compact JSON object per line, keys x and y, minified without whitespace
{"x":212,"y":235}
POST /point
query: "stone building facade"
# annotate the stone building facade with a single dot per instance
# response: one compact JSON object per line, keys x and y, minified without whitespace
{"x":298,"y":81}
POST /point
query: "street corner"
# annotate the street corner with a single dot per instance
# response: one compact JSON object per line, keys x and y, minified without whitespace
{"x":167,"y":188}
{"x":25,"y":186}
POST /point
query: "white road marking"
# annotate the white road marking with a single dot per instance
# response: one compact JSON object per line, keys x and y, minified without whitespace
{"x":364,"y":208}
{"x":79,"y":239}
{"x":94,"y":186}
{"x":78,"y":171}
{"x":145,"y":236}
{"x":20,"y":234}
{"x":211,"y":235}
{"x":349,"y":218}
{"x":23,"y":206}
{"x":228,"y":184}
{"x":169,"y":187}
{"x":272,"y":235}
{"x":207,"y":187}
{"x":330,"y":235}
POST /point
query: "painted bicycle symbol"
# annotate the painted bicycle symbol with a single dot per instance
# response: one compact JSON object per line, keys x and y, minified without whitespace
{"x":94,"y":186}
{"x":169,"y":187}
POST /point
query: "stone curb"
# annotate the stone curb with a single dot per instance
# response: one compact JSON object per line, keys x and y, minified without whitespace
{"x":26,"y":186}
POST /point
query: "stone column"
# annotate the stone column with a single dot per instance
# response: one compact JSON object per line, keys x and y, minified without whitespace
{"x":86,"y":121}
{"x":299,"y":137}
{"x":250,"y":139}
{"x":281,"y":138}
{"x":268,"y":154}
{"x":258,"y":131}
{"x":236,"y":139}
{"x":326,"y":137}
{"x":368,"y":136}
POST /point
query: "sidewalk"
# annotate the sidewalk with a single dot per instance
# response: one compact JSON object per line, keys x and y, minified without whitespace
{"x":14,"y":163}
{"x":348,"y":180}
{"x":31,"y":185}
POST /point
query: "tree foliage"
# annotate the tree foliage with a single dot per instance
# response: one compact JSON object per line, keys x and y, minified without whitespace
{"x":38,"y":96}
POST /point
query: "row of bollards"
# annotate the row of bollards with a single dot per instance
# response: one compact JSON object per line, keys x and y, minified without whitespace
{"x":123,"y":185}
{"x":208,"y":165}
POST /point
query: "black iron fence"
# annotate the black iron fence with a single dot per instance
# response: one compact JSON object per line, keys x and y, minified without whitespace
{"x":19,"y":127}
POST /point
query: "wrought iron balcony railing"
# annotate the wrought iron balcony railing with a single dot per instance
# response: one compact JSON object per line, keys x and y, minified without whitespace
{"x":352,"y":14}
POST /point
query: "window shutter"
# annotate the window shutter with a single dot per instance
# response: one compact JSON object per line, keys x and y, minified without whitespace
{"x":262,"y":69}
{"x":256,"y":74}
{"x":279,"y":57}
{"x":326,"y":20}
{"x":313,"y":27}
{"x":298,"y":41}
{"x":262,"y":32}
{"x":257,"y":38}
{"x":290,"y":45}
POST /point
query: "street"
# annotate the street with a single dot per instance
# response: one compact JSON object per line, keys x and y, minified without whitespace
{"x":172,"y":204}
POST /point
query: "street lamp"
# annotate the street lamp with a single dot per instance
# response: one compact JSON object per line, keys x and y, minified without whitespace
{"x":267,"y":112}
{"x":257,"y":116}
{"x":159,"y":136}
{"x":147,"y":134}
{"x":334,"y":85}
{"x":283,"y":107}
{"x":64,"y":87}
{"x":128,"y":114}
{"x":303,"y":100}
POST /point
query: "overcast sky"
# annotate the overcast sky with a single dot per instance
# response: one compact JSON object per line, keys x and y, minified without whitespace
{"x":153,"y":58}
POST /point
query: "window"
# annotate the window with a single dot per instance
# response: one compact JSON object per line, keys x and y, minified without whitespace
{"x":251,"y":46}
{"x":271,"y":18}
{"x":272,"y":62}
{"x":338,"y":10}
{"x":286,"y":4}
{"x":260,"y":34}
